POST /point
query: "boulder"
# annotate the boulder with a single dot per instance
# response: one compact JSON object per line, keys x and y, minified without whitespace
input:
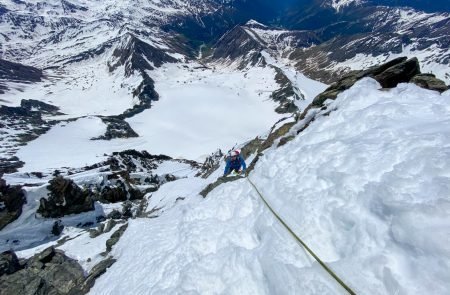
{"x":57,"y":228}
{"x":12,"y":199}
{"x":116,"y":128}
{"x":113,"y":194}
{"x":429,"y":81}
{"x":49,"y":272}
{"x":119,"y":190}
{"x":64,"y":198}
{"x":9,"y":263}
{"x":115,"y":214}
{"x":399,"y":73}
{"x":389,"y":75}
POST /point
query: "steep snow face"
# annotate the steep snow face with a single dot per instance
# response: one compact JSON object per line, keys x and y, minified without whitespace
{"x":366,"y":187}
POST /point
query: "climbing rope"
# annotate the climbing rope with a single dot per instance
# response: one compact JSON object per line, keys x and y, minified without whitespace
{"x":325,"y":267}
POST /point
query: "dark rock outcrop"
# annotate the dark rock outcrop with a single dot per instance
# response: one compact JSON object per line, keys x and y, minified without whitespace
{"x":115,"y":214}
{"x":96,"y":272}
{"x":136,"y":54}
{"x":388,"y":75}
{"x":49,"y":272}
{"x":238,"y":44}
{"x":219,"y":181}
{"x":429,"y":81}
{"x":398,"y":73}
{"x":12,"y":199}
{"x":64,"y":198}
{"x":33,"y":105}
{"x":27,"y":126}
{"x":115,"y":237}
{"x":12,"y":71}
{"x":116,"y":128}
{"x":146,"y":93}
{"x":9,"y":263}
{"x":286,"y":95}
{"x":16,"y":72}
{"x":57,"y":228}
{"x":113,"y":194}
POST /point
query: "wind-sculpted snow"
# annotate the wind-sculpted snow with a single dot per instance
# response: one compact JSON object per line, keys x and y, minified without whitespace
{"x":366,"y":187}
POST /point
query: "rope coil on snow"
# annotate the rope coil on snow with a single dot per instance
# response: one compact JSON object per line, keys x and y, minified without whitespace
{"x":324,"y":266}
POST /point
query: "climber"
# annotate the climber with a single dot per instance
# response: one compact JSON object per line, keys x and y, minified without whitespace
{"x":234,"y":161}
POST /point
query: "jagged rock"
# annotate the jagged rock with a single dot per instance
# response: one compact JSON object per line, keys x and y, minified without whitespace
{"x":127,"y":210}
{"x":49,"y":272}
{"x":116,"y":128}
{"x":276,"y":134}
{"x":10,"y":165}
{"x":134,"y":194}
{"x":12,"y":199}
{"x":285,"y":140}
{"x":33,"y":105}
{"x":132,"y":160}
{"x":388,"y":75}
{"x":429,"y":81}
{"x":238,"y":44}
{"x":169,"y":178}
{"x":65,"y":198}
{"x":113,"y":194}
{"x":9,"y":263}
{"x":109,"y":225}
{"x":115,"y":214}
{"x":57,"y":228}
{"x":219,"y":181}
{"x":286,"y":94}
{"x":18,"y":72}
{"x":119,"y":190}
{"x":211,"y":164}
{"x":115,"y":237}
{"x":102,"y":228}
{"x":96,"y":272}
{"x":399,"y":73}
{"x":18,"y":112}
{"x":136,"y":54}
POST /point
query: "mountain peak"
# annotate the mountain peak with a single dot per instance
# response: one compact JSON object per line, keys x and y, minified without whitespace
{"x":255,"y":24}
{"x":339,"y":4}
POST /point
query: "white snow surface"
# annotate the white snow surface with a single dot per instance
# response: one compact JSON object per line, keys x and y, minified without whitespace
{"x":366,"y":187}
{"x":199,"y":111}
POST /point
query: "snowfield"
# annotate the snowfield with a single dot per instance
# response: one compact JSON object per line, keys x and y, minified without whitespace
{"x":367,"y":188}
{"x":199,"y":111}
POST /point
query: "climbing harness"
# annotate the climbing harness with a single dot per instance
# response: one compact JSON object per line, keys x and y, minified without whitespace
{"x":325,"y":267}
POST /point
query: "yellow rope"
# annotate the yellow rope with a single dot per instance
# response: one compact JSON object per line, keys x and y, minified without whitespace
{"x":334,"y":275}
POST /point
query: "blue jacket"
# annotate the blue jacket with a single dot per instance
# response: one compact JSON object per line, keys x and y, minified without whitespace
{"x":234,"y":165}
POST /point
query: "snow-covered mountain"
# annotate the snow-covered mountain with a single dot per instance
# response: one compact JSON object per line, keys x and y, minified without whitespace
{"x":115,"y":117}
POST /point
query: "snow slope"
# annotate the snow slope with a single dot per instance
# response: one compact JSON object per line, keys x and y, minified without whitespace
{"x":367,"y":187}
{"x":199,"y":111}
